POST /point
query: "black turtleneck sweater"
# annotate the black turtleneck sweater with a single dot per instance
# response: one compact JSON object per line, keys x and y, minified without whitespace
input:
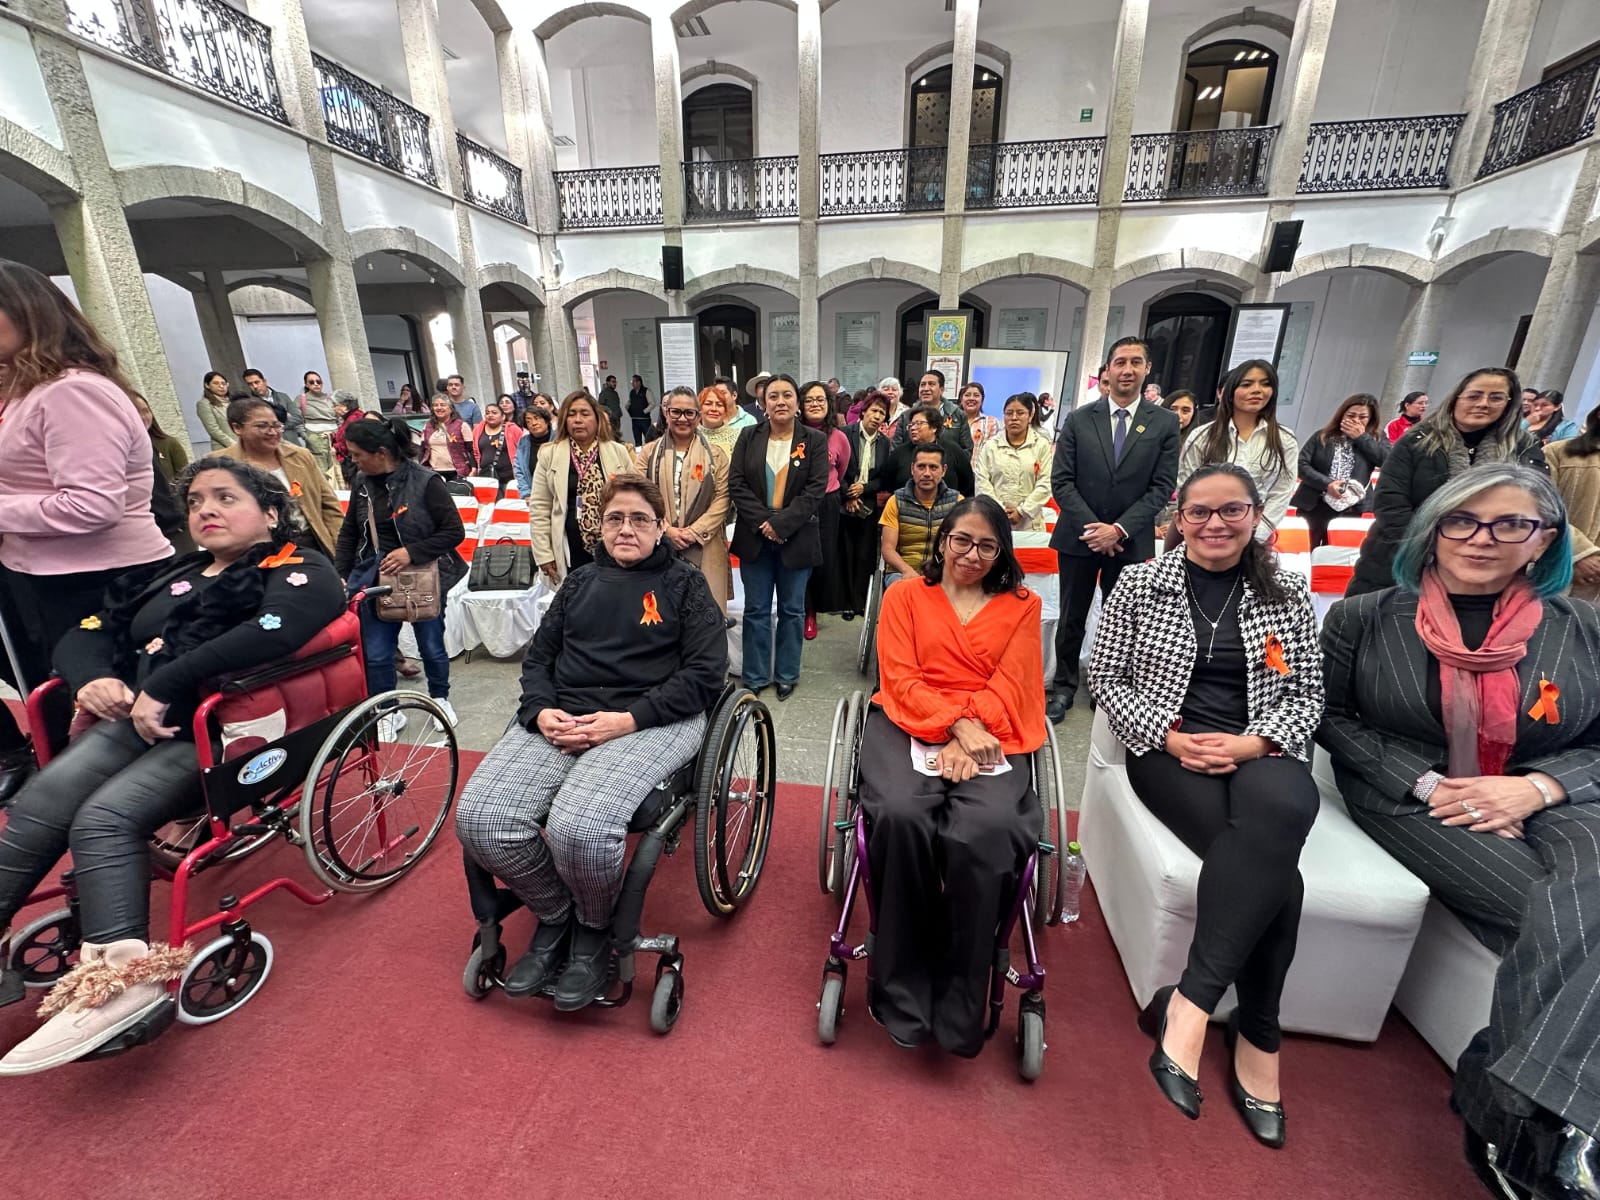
{"x":1218,"y":695}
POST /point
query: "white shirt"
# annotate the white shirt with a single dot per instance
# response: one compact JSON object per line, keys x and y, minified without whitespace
{"x":1274,"y":482}
{"x":1127,"y":424}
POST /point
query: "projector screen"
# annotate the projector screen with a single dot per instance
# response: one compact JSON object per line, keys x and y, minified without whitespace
{"x":1006,"y":372}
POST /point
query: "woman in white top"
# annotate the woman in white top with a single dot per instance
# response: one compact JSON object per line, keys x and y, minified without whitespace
{"x":1014,"y":466}
{"x":1246,"y":432}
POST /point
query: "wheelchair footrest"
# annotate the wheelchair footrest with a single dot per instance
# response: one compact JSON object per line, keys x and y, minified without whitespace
{"x":146,"y":1031}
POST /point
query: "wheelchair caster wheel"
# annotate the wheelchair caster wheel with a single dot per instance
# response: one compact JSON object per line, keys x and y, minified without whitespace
{"x":222,"y":977}
{"x":1030,"y":1045}
{"x":46,"y":949}
{"x":667,"y":1002}
{"x":830,"y":1008}
{"x":481,"y":976}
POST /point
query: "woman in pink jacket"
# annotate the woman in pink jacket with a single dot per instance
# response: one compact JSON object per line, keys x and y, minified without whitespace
{"x":75,"y":480}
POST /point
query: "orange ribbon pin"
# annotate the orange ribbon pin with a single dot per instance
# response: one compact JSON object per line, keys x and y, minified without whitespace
{"x":799,"y":452}
{"x":1544,"y":708}
{"x":652,"y":614}
{"x":1275,"y":659}
{"x":295,"y":489}
{"x":282,"y":558}
{"x":699,"y":471}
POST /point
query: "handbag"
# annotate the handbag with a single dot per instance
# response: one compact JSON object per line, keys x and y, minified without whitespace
{"x":503,"y":566}
{"x":414,"y":593}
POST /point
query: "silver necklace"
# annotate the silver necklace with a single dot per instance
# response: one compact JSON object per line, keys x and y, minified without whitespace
{"x":1195,"y":600}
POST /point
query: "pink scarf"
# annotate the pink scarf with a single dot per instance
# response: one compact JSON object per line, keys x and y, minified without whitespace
{"x":1479,"y":688}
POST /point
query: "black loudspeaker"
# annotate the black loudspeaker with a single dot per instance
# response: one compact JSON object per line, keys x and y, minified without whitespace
{"x":1285,"y":241}
{"x":672,"y":268}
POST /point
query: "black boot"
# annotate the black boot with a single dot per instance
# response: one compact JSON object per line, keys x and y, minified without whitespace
{"x":588,"y":971}
{"x":547,"y":955}
{"x":16,"y":768}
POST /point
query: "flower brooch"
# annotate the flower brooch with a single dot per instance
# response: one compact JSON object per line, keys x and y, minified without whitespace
{"x":182,"y":587}
{"x":270,"y":621}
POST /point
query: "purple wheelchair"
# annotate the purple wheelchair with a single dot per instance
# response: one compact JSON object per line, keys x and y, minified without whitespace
{"x":842,"y":872}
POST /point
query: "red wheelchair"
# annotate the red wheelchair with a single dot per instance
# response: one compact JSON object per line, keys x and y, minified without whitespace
{"x":294,"y":750}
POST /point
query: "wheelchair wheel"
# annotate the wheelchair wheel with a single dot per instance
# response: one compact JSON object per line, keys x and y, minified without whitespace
{"x":738,"y":777}
{"x":1049,"y":880}
{"x":371,"y":807}
{"x":222,"y":977}
{"x":837,"y":753}
{"x":45,"y":949}
{"x":667,"y":1001}
{"x":1030,"y":1044}
{"x":866,"y":657}
{"x":829,"y":1008}
{"x":478,"y":979}
{"x":845,"y":791}
{"x":172,"y":843}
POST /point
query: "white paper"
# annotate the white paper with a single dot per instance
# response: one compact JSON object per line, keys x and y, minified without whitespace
{"x":923,"y":756}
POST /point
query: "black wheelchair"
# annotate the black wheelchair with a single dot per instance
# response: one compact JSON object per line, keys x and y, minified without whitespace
{"x":842,"y":871}
{"x":729,"y":789}
{"x":867,"y":652}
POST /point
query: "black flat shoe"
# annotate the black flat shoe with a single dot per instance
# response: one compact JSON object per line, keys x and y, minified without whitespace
{"x":547,"y":954}
{"x":1175,"y":1085}
{"x":16,"y":768}
{"x":848,"y":615}
{"x":1264,"y":1118}
{"x":1056,"y":708}
{"x":785,"y":690}
{"x":1481,"y":1157}
{"x":753,"y":690}
{"x":588,"y":971}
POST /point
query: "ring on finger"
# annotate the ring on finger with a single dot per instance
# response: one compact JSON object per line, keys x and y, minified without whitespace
{"x":1474,"y":813}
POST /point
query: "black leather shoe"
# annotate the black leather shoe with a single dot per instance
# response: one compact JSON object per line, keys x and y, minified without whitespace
{"x":1263,"y":1118}
{"x":1481,"y":1158}
{"x":754,"y":691}
{"x":588,"y":971}
{"x":1568,"y":1162}
{"x":1057,"y":707}
{"x":536,"y":970}
{"x":785,"y":690}
{"x":1176,"y":1086}
{"x":849,"y":614}
{"x":16,"y":768}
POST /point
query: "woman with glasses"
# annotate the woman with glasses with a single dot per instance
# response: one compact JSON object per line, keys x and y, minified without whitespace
{"x":260,"y":443}
{"x":1479,"y":423}
{"x":692,"y":475}
{"x":1207,"y":668}
{"x":1463,"y":723}
{"x":1336,"y":465}
{"x":616,"y":686}
{"x":826,"y":590}
{"x":961,"y":661}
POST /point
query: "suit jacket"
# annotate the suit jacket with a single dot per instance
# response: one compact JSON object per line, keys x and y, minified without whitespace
{"x":1089,"y":486}
{"x":1383,"y":737}
{"x":795,"y":521}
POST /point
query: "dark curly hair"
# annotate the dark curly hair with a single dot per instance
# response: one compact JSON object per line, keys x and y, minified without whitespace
{"x":267,"y":490}
{"x":1006,"y":573}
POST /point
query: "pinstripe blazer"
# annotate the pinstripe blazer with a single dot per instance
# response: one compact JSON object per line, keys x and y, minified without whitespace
{"x":1145,"y":646}
{"x":1382,"y":736}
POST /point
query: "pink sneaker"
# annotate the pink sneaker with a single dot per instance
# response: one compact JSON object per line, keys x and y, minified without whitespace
{"x":111,"y":989}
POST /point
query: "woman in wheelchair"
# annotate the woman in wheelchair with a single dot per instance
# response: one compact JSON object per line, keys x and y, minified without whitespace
{"x":616,"y":686}
{"x":140,"y":667}
{"x":948,"y":825}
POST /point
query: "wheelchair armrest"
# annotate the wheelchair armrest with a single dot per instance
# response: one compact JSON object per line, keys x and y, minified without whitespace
{"x":234,"y":685}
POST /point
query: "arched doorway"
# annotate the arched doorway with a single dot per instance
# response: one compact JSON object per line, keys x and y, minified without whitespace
{"x":1187,"y":333}
{"x":929,"y":134}
{"x":1227,"y":85}
{"x":728,"y":344}
{"x":913,"y":355}
{"x":718,"y":123}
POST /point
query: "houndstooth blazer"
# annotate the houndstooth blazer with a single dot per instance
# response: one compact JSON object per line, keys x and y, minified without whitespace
{"x":1145,"y":647}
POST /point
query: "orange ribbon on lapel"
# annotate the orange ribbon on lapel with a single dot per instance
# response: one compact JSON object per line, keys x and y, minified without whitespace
{"x":282,"y":558}
{"x":1275,"y":659}
{"x":295,"y":489}
{"x":699,"y":471}
{"x":799,"y":452}
{"x":1544,"y":708}
{"x":652,"y":614}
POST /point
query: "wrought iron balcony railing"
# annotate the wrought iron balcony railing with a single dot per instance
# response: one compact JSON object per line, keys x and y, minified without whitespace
{"x":740,"y":189}
{"x":910,"y":179}
{"x":607,"y":197}
{"x":1547,"y":117}
{"x":491,"y":182}
{"x":1379,"y":155}
{"x":204,"y":42}
{"x":1200,"y":164}
{"x":1034,"y":174}
{"x":364,"y":119}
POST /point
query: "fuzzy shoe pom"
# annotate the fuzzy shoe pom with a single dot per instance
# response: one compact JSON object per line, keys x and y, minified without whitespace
{"x":97,"y":980}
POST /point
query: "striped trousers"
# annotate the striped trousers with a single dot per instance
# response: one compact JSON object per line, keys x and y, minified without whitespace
{"x":1537,"y":903}
{"x":584,"y":803}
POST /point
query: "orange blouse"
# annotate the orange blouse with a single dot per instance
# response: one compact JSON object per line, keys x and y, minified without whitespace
{"x":935,"y":670}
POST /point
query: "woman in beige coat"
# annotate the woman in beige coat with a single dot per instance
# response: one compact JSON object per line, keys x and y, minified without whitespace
{"x":1575,"y":470}
{"x":564,"y":504}
{"x":693,"y":477}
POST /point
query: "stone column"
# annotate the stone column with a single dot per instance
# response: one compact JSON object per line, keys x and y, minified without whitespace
{"x":1419,"y":330}
{"x":544,"y":355}
{"x":564,"y":352}
{"x":808,"y":183}
{"x":669,"y":140}
{"x":1496,"y":70}
{"x":213,"y":306}
{"x":957,"y":142}
{"x":1313,"y":22}
{"x":1568,"y":296}
{"x":1125,"y":71}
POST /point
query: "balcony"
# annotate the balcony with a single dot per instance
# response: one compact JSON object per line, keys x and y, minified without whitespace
{"x":1200,"y":164}
{"x":906,"y":180}
{"x":1547,"y":117}
{"x":1034,"y":174}
{"x":609,"y":197}
{"x":491,"y":182}
{"x":204,"y":42}
{"x":364,"y":119}
{"x":1381,"y":155}
{"x":741,"y":189}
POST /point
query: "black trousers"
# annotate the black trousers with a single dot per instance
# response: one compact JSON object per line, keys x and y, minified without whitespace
{"x":1079,"y":575}
{"x":943,"y":861}
{"x":1247,"y":828}
{"x":102,"y":799}
{"x":1317,"y":517}
{"x":825,"y":589}
{"x":859,"y":539}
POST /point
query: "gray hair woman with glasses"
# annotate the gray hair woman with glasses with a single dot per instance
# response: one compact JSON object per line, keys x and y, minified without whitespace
{"x":693,"y":477}
{"x":1478,"y":423}
{"x":1463,"y":722}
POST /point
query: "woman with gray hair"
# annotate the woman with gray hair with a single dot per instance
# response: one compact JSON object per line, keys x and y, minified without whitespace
{"x":1463,"y":723}
{"x":1478,"y":423}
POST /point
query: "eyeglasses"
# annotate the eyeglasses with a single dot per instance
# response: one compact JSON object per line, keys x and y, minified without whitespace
{"x":264,"y":426}
{"x":1491,"y":397}
{"x":313,"y":383}
{"x":1459,"y":527}
{"x":1232,"y":512}
{"x":638,"y":521}
{"x":682,"y":414}
{"x":960,"y":544}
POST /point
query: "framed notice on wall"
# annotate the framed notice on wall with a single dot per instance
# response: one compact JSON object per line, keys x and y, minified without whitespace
{"x":1256,"y":332}
{"x":855,"y":349}
{"x":640,"y":354}
{"x":679,"y":338}
{"x":783,"y":343}
{"x":1020,"y":329}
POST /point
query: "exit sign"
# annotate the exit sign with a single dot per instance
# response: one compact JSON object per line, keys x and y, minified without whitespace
{"x":1086,"y":114}
{"x":1422,"y":358}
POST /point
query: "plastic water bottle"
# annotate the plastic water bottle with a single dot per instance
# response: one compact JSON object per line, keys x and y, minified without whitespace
{"x":1072,"y":872}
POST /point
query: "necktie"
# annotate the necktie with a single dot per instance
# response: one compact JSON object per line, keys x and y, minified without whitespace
{"x":1119,"y":435}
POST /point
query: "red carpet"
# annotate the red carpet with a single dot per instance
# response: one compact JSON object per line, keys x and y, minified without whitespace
{"x":361,"y":1070}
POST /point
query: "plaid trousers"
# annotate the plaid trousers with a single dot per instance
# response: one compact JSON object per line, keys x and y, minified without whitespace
{"x":584,"y":801}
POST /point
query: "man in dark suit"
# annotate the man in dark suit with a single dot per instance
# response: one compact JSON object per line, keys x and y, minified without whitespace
{"x":1116,"y":465}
